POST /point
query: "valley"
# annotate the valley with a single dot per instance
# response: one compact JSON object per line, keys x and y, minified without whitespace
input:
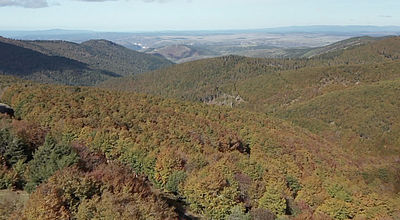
{"x":285,"y":42}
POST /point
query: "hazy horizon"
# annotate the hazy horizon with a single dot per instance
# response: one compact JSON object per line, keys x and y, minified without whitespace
{"x":195,"y":30}
{"x":189,"y":15}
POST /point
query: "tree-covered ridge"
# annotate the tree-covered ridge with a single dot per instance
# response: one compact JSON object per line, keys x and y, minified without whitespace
{"x":209,"y":79}
{"x":354,"y":106}
{"x":284,"y":83}
{"x":105,"y":55}
{"x":181,"y":53}
{"x":338,"y":46}
{"x":348,"y":97}
{"x":386,"y":49}
{"x":277,"y":91}
{"x":13,"y":56}
{"x":69,"y":63}
{"x":29,"y":64}
{"x":201,"y":80}
{"x":220,"y":162}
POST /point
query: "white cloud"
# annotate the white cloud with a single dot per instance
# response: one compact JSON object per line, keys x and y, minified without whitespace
{"x":24,"y":3}
{"x":125,"y":0}
{"x":44,"y":3}
{"x":96,"y":0}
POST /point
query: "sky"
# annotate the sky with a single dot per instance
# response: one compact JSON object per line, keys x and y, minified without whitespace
{"x":159,"y":15}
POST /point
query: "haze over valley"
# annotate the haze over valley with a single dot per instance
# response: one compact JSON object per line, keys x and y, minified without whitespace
{"x":183,"y":46}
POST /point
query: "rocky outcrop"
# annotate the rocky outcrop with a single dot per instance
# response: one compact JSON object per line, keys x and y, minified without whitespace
{"x":5,"y":109}
{"x":223,"y":99}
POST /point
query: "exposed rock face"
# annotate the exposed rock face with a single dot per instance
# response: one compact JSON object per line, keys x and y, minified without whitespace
{"x":5,"y":109}
{"x":223,"y":99}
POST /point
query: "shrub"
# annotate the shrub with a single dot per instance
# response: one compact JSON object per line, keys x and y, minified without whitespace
{"x":293,"y":184}
{"x":174,"y":180}
{"x":337,"y":209}
{"x":273,"y":200}
{"x":337,"y":191}
{"x":211,"y":193}
{"x":109,"y":191}
{"x":12,"y":149}
{"x":238,"y":213}
{"x":49,"y":158}
{"x":262,"y":214}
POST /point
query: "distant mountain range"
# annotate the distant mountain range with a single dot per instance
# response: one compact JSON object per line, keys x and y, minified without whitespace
{"x":337,"y":29}
{"x":325,"y":29}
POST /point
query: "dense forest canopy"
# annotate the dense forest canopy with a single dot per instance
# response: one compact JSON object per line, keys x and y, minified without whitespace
{"x":223,"y":138}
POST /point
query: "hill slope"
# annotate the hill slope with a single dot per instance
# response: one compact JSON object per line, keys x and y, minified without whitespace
{"x":74,"y":64}
{"x":30,"y":64}
{"x":106,"y":55}
{"x":221,"y":161}
{"x":182,"y":53}
{"x":327,"y":94}
{"x":369,"y":111}
{"x":206,"y":79}
{"x":341,"y":45}
{"x":201,"y":80}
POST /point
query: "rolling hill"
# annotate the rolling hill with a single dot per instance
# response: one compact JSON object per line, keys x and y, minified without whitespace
{"x":205,"y":79}
{"x":105,"y":55}
{"x":347,"y":96}
{"x":300,"y":52}
{"x":182,"y":53}
{"x":201,"y":80}
{"x":33,"y":65}
{"x":339,"y":46}
{"x":73,"y":64}
{"x":185,"y":53}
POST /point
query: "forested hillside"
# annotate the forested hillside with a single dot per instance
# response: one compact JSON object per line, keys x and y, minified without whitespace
{"x":202,"y":80}
{"x":105,"y":55}
{"x":223,"y":138}
{"x":335,"y":47}
{"x":210,"y":78}
{"x":273,"y":86}
{"x":215,"y":162}
{"x":348,"y":96}
{"x":73,"y":64}
{"x":29,"y":64}
{"x":303,"y":52}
